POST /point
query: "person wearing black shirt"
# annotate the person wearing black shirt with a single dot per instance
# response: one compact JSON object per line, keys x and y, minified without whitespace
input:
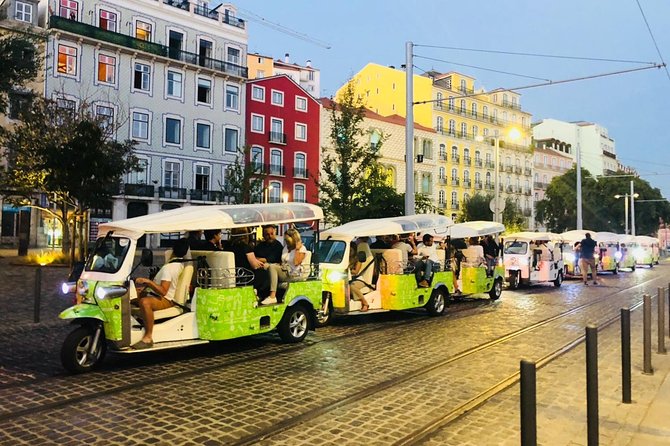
{"x":268,"y":251}
{"x":240,"y":246}
{"x":587,"y":259}
{"x":212,"y":241}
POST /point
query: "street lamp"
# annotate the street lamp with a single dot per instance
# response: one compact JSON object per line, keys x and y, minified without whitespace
{"x":285,"y":197}
{"x":625,"y":206}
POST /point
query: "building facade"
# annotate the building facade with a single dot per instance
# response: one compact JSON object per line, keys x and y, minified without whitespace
{"x":168,"y":75}
{"x":282,"y":122}
{"x":308,"y":77}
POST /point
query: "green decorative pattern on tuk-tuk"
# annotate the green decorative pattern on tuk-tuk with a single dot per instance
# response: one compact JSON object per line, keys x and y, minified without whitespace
{"x":475,"y":281}
{"x":627,"y":261}
{"x":106,"y":310}
{"x":335,"y":282}
{"x":608,"y":263}
{"x":229,"y":313}
{"x":400,"y":291}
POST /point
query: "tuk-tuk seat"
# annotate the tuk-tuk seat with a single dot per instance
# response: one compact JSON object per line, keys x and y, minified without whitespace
{"x":474,"y":255}
{"x":221,"y":265}
{"x":306,"y":267}
{"x":181,"y":295}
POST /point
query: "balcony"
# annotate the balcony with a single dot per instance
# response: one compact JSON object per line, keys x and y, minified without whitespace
{"x":466,"y":90}
{"x":509,"y":168}
{"x":300,"y":172}
{"x":467,"y":160}
{"x":489,"y":186}
{"x":478,"y":185}
{"x":511,"y":105}
{"x":99,"y":34}
{"x":176,"y":193}
{"x":206,"y":195}
{"x":138,"y":190}
{"x":478,"y":162}
{"x":204,"y":11}
{"x":441,"y":205}
{"x":517,"y":170}
{"x":455,"y":182}
{"x":490,"y":165}
{"x":540,"y":185}
{"x":454,"y":206}
{"x":455,"y":158}
{"x":259,"y":168}
{"x":443,"y":156}
{"x":278,"y":137}
{"x":467,"y":183}
{"x":527,"y":191}
{"x":443,"y":181}
{"x":510,"y":189}
{"x":275,"y":169}
{"x":527,"y":171}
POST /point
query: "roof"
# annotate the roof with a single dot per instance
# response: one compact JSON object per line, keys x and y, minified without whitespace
{"x":576,"y":235}
{"x":475,"y":229}
{"x":391,"y":225}
{"x":195,"y":218}
{"x":533,"y":236}
{"x":605,"y":236}
{"x":393,"y":119}
{"x":276,"y":77}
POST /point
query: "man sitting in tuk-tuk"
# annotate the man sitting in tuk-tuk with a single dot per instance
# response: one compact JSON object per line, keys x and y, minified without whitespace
{"x":428,"y":261}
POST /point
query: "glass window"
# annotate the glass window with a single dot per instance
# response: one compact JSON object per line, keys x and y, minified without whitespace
{"x":143,"y":30}
{"x":140,"y":125}
{"x":300,"y":165}
{"x":231,"y":137}
{"x":172,"y":131}
{"x":140,"y":176}
{"x":204,"y":91}
{"x":67,"y":59}
{"x":69,"y":9}
{"x":440,"y":124}
{"x":300,"y":103}
{"x":277,"y":97}
{"x":258,"y":93}
{"x":257,"y":123}
{"x":24,"y":12}
{"x":331,"y":251}
{"x":257,"y":158}
{"x":301,"y":132}
{"x":174,"y":84}
{"x":233,"y":55}
{"x":232,"y":97}
{"x":106,"y":69}
{"x":66,"y":104}
{"x":276,"y":162}
{"x":105,"y":114}
{"x":277,"y":131}
{"x":108,"y":254}
{"x":202,"y":178}
{"x":299,"y":193}
{"x":203,"y":135}
{"x":275,"y":192}
{"x":108,"y":20}
{"x":171,"y":174}
{"x":142,"y":80}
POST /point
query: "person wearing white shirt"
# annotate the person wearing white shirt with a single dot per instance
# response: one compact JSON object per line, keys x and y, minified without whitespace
{"x":428,"y":261}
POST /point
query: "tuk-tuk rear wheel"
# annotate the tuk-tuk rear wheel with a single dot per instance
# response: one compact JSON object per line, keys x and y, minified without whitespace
{"x":75,"y":354}
{"x":294,"y":326}
{"x":437,"y":303}
{"x":514,"y":280}
{"x":496,"y":289}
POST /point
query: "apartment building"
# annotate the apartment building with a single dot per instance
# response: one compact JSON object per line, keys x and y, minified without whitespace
{"x":308,"y":77}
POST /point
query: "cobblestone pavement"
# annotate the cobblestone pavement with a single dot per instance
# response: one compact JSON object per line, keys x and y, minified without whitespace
{"x":225,"y":392}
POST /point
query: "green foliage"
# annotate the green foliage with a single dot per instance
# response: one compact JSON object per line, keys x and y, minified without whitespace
{"x":351,"y":170}
{"x":244,"y":182}
{"x":19,"y":64}
{"x":476,"y":208}
{"x":512,"y":215}
{"x":422,"y":204}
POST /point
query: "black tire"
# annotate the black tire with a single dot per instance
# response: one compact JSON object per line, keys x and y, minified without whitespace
{"x":559,"y":279}
{"x":75,"y":353}
{"x":616,"y":269}
{"x":294,"y":325}
{"x":514,"y":280}
{"x":496,"y":289}
{"x":651,"y":265}
{"x":632,"y":268}
{"x":437,"y":303}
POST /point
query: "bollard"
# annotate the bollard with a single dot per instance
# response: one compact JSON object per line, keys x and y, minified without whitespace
{"x":38,"y":294}
{"x":528,"y":404}
{"x":625,"y":357}
{"x":592,"y":384}
{"x":661,"y":321}
{"x":646,"y":338}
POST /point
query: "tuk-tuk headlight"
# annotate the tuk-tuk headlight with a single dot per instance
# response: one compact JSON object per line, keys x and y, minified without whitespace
{"x":335,"y":276}
{"x":618,"y":255}
{"x":68,"y":287}
{"x":570,"y":257}
{"x":111,"y":292}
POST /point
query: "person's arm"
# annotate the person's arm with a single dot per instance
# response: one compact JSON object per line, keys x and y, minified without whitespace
{"x":253,"y":261}
{"x":299,"y":255}
{"x":356,"y":268}
{"x":160,"y":290}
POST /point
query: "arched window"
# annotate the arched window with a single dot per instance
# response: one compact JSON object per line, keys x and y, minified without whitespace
{"x":454,"y":173}
{"x":474,"y":109}
{"x":443,"y":152}
{"x":451,"y":103}
{"x":454,"y":152}
{"x":466,"y":175}
{"x":452,"y":127}
{"x":478,"y":177}
{"x":462,"y":108}
{"x":488,"y":178}
{"x":441,"y":197}
{"x":454,"y":198}
{"x":464,"y":130}
{"x":438,"y":103}
{"x":442,"y":173}
{"x":440,"y":124}
{"x":475,"y":131}
{"x":485,"y":111}
{"x":300,"y":165}
{"x":299,"y":193}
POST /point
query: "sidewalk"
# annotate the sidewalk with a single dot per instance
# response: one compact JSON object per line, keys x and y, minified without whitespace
{"x":655,"y":426}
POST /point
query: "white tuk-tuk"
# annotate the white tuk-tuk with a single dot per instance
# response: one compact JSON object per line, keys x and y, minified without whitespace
{"x":570,"y":255}
{"x":533,"y":257}
{"x":648,"y":250}
{"x":609,"y":254}
{"x":627,"y":247}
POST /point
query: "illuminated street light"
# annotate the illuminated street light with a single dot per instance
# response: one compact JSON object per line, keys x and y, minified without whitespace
{"x":285,"y":197}
{"x":625,"y":206}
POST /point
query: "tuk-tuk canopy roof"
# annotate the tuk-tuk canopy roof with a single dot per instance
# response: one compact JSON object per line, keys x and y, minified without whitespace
{"x":606,"y":237}
{"x":577,"y":235}
{"x":646,"y":240}
{"x":474,"y":229}
{"x":195,"y":218}
{"x":391,"y":225}
{"x":533,"y":236}
{"x":627,"y":239}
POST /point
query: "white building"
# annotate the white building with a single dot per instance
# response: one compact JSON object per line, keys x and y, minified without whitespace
{"x":598,"y":153}
{"x":171,"y":73}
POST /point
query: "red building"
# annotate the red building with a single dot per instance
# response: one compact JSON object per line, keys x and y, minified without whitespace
{"x":282,"y":128}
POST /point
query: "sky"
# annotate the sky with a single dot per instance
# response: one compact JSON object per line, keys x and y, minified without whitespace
{"x":634,"y":107}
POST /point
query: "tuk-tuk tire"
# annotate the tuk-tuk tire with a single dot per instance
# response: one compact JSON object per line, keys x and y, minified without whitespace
{"x":514,"y":280}
{"x":616,"y":269}
{"x":437,"y":303}
{"x":559,"y":279}
{"x":68,"y":352}
{"x":284,"y":327}
{"x":632,"y":268}
{"x":496,"y":289}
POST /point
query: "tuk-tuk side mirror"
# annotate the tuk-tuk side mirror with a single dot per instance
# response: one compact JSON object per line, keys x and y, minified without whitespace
{"x":147,"y":257}
{"x":361,"y":256}
{"x":75,"y":273}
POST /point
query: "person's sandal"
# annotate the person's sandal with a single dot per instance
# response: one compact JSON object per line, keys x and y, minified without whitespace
{"x":142,"y":345}
{"x":365,"y":308}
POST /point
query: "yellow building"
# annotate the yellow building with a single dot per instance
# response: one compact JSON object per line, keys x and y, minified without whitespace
{"x":468,"y":123}
{"x":259,"y":66}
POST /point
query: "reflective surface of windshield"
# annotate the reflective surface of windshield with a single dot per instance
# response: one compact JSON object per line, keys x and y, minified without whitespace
{"x":331,"y":251}
{"x":516,"y":247}
{"x":108,"y":254}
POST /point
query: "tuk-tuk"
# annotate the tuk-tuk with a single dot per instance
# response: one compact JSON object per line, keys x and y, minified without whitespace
{"x":215,"y":299}
{"x":390,"y":281}
{"x":609,"y":254}
{"x":533,"y":257}
{"x":570,"y":255}
{"x":627,"y":247}
{"x":647,"y":252}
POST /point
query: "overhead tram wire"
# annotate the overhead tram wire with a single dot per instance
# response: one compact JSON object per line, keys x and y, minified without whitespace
{"x":283,"y":29}
{"x":554,"y":56}
{"x":546,"y":84}
{"x":482,"y":68}
{"x":653,"y":39}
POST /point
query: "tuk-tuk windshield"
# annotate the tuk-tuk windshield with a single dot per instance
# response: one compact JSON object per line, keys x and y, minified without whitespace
{"x":108,"y":254}
{"x":331,"y":251}
{"x":516,"y":247}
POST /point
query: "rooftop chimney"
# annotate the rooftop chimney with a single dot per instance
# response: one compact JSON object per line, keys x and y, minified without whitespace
{"x":286,"y":58}
{"x":308,"y":63}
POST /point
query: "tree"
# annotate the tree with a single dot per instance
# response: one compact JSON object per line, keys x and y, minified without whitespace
{"x":70,"y":156}
{"x":512,"y":216}
{"x":244,"y":180}
{"x":19,"y":64}
{"x":351,"y":169}
{"x":476,"y":207}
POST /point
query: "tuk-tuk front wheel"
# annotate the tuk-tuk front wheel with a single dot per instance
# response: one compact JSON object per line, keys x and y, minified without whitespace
{"x":294,"y":325}
{"x":514,"y":280}
{"x":559,"y":279}
{"x":81,"y":352}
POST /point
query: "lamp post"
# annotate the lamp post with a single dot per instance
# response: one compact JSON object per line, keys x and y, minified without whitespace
{"x":285,"y":197}
{"x":625,"y":206}
{"x":513,"y":134}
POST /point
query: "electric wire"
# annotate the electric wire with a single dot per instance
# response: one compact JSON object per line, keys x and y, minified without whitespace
{"x":283,"y":29}
{"x":653,"y":39}
{"x":482,"y":68}
{"x":554,"y":56}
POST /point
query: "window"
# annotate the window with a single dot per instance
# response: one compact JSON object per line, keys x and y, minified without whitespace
{"x":203,"y":134}
{"x":427,"y":148}
{"x":172,"y":131}
{"x":24,"y":12}
{"x":257,"y":158}
{"x":69,"y":9}
{"x":300,"y":165}
{"x":452,"y":127}
{"x":440,"y":124}
{"x":204,"y":94}
{"x":485,"y":111}
{"x":143,"y":30}
{"x":451,"y":103}
{"x":140,"y":176}
{"x":171,"y":174}
{"x":454,"y":198}
{"x":258,"y":93}
{"x":19,"y":103}
{"x":462,"y":108}
{"x":174,"y":84}
{"x":277,"y":97}
{"x":440,"y":197}
{"x":277,"y":131}
{"x":106,"y":69}
{"x":105,"y":114}
{"x":299,"y":193}
{"x":474,"y":109}
{"x":232,"y":97}
{"x":301,"y":132}
{"x":257,"y":123}
{"x":275,"y":192}
{"x":66,"y":104}
{"x":107,"y":20}
{"x":233,"y":55}
{"x":443,"y":152}
{"x":276,"y":165}
{"x":202,"y":178}
{"x":464,"y":130}
{"x":67,"y":60}
{"x":142,"y":80}
{"x":442,"y":173}
{"x":300,"y":103}
{"x":230,"y":140}
{"x":140,"y":125}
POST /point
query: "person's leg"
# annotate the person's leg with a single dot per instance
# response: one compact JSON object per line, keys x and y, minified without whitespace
{"x":594,"y":271}
{"x":585,"y":270}
{"x":429,"y":270}
{"x":148,"y":305}
{"x":418,"y":270}
{"x":357,"y":291}
{"x":277,"y":274}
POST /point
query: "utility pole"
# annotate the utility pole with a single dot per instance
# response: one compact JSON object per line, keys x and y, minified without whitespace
{"x":579,"y":184}
{"x":409,"y":130}
{"x":632,"y":207}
